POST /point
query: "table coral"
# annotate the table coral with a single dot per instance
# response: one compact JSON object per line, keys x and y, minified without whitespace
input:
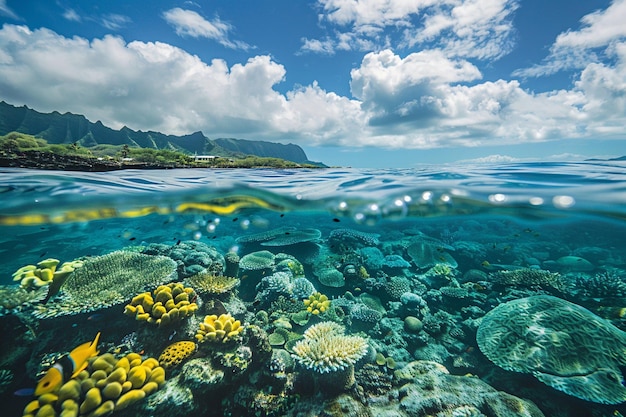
{"x":220,"y":329}
{"x":108,"y":384}
{"x":167,"y":304}
{"x":108,"y":280}
{"x":207,"y":283}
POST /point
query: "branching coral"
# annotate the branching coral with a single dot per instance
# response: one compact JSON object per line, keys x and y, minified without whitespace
{"x":325,"y":348}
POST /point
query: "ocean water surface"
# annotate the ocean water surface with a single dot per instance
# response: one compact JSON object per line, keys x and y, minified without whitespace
{"x":487,"y":290}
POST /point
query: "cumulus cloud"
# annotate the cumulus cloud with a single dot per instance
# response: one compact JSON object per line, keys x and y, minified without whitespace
{"x":190,"y":23}
{"x":424,"y":99}
{"x":481,"y":29}
{"x":600,"y":32}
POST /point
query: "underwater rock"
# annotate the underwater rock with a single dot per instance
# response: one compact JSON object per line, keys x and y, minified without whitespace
{"x":429,"y":389}
{"x":201,"y":376}
{"x":560,"y":343}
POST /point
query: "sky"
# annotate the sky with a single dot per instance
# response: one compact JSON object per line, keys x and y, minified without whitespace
{"x":362,"y":83}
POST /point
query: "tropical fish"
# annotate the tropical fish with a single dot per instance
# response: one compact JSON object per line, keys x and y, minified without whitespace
{"x":67,"y":367}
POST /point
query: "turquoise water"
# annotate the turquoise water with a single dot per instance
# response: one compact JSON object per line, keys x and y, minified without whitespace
{"x":413,"y":262}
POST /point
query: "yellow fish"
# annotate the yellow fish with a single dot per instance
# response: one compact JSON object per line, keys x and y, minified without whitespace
{"x":67,"y":367}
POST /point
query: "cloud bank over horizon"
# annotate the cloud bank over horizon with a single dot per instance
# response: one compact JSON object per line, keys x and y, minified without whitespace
{"x":419,"y":84}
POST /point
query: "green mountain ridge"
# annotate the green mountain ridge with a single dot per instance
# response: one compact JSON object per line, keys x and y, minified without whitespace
{"x":68,"y":128}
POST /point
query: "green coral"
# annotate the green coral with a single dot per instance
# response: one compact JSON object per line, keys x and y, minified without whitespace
{"x":108,"y":280}
{"x":562,"y":344}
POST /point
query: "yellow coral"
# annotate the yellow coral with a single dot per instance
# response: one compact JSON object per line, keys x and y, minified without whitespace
{"x":108,"y":384}
{"x":176,"y":353}
{"x":206,"y":283}
{"x":219,"y":329}
{"x":317,"y":303}
{"x":44,"y":273}
{"x":167,"y":304}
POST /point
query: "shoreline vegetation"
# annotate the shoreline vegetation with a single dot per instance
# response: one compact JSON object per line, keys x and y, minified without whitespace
{"x":18,"y":150}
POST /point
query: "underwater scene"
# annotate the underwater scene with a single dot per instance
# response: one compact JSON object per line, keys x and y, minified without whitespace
{"x":454,"y":291}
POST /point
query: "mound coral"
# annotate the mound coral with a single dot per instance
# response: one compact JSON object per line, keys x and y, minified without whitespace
{"x":220,"y":329}
{"x":317,"y":303}
{"x":206,"y":283}
{"x":168,"y":304}
{"x":176,"y":353}
{"x":257,"y":261}
{"x":562,"y":344}
{"x":108,"y":384}
{"x":44,"y":273}
{"x":325,"y":348}
{"x":108,"y":280}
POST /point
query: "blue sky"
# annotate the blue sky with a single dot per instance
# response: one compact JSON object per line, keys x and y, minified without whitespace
{"x":364,"y":83}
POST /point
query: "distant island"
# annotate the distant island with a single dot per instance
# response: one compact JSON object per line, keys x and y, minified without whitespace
{"x":31,"y":139}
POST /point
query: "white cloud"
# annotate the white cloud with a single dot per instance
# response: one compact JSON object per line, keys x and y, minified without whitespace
{"x":324,"y":47}
{"x":190,"y":23}
{"x":114,"y":21}
{"x":6,"y":10}
{"x":72,"y":15}
{"x":599,"y":33}
{"x":480,"y":29}
{"x":422,"y":100}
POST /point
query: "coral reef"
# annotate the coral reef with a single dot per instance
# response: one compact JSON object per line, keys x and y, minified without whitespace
{"x":166,"y":305}
{"x":108,"y":280}
{"x":190,"y":256}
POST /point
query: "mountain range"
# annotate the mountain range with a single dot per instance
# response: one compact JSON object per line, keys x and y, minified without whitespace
{"x":57,"y":128}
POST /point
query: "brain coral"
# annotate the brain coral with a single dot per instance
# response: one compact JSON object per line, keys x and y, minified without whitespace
{"x":176,"y":353}
{"x":562,"y":344}
{"x":108,"y":280}
{"x":325,"y":348}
